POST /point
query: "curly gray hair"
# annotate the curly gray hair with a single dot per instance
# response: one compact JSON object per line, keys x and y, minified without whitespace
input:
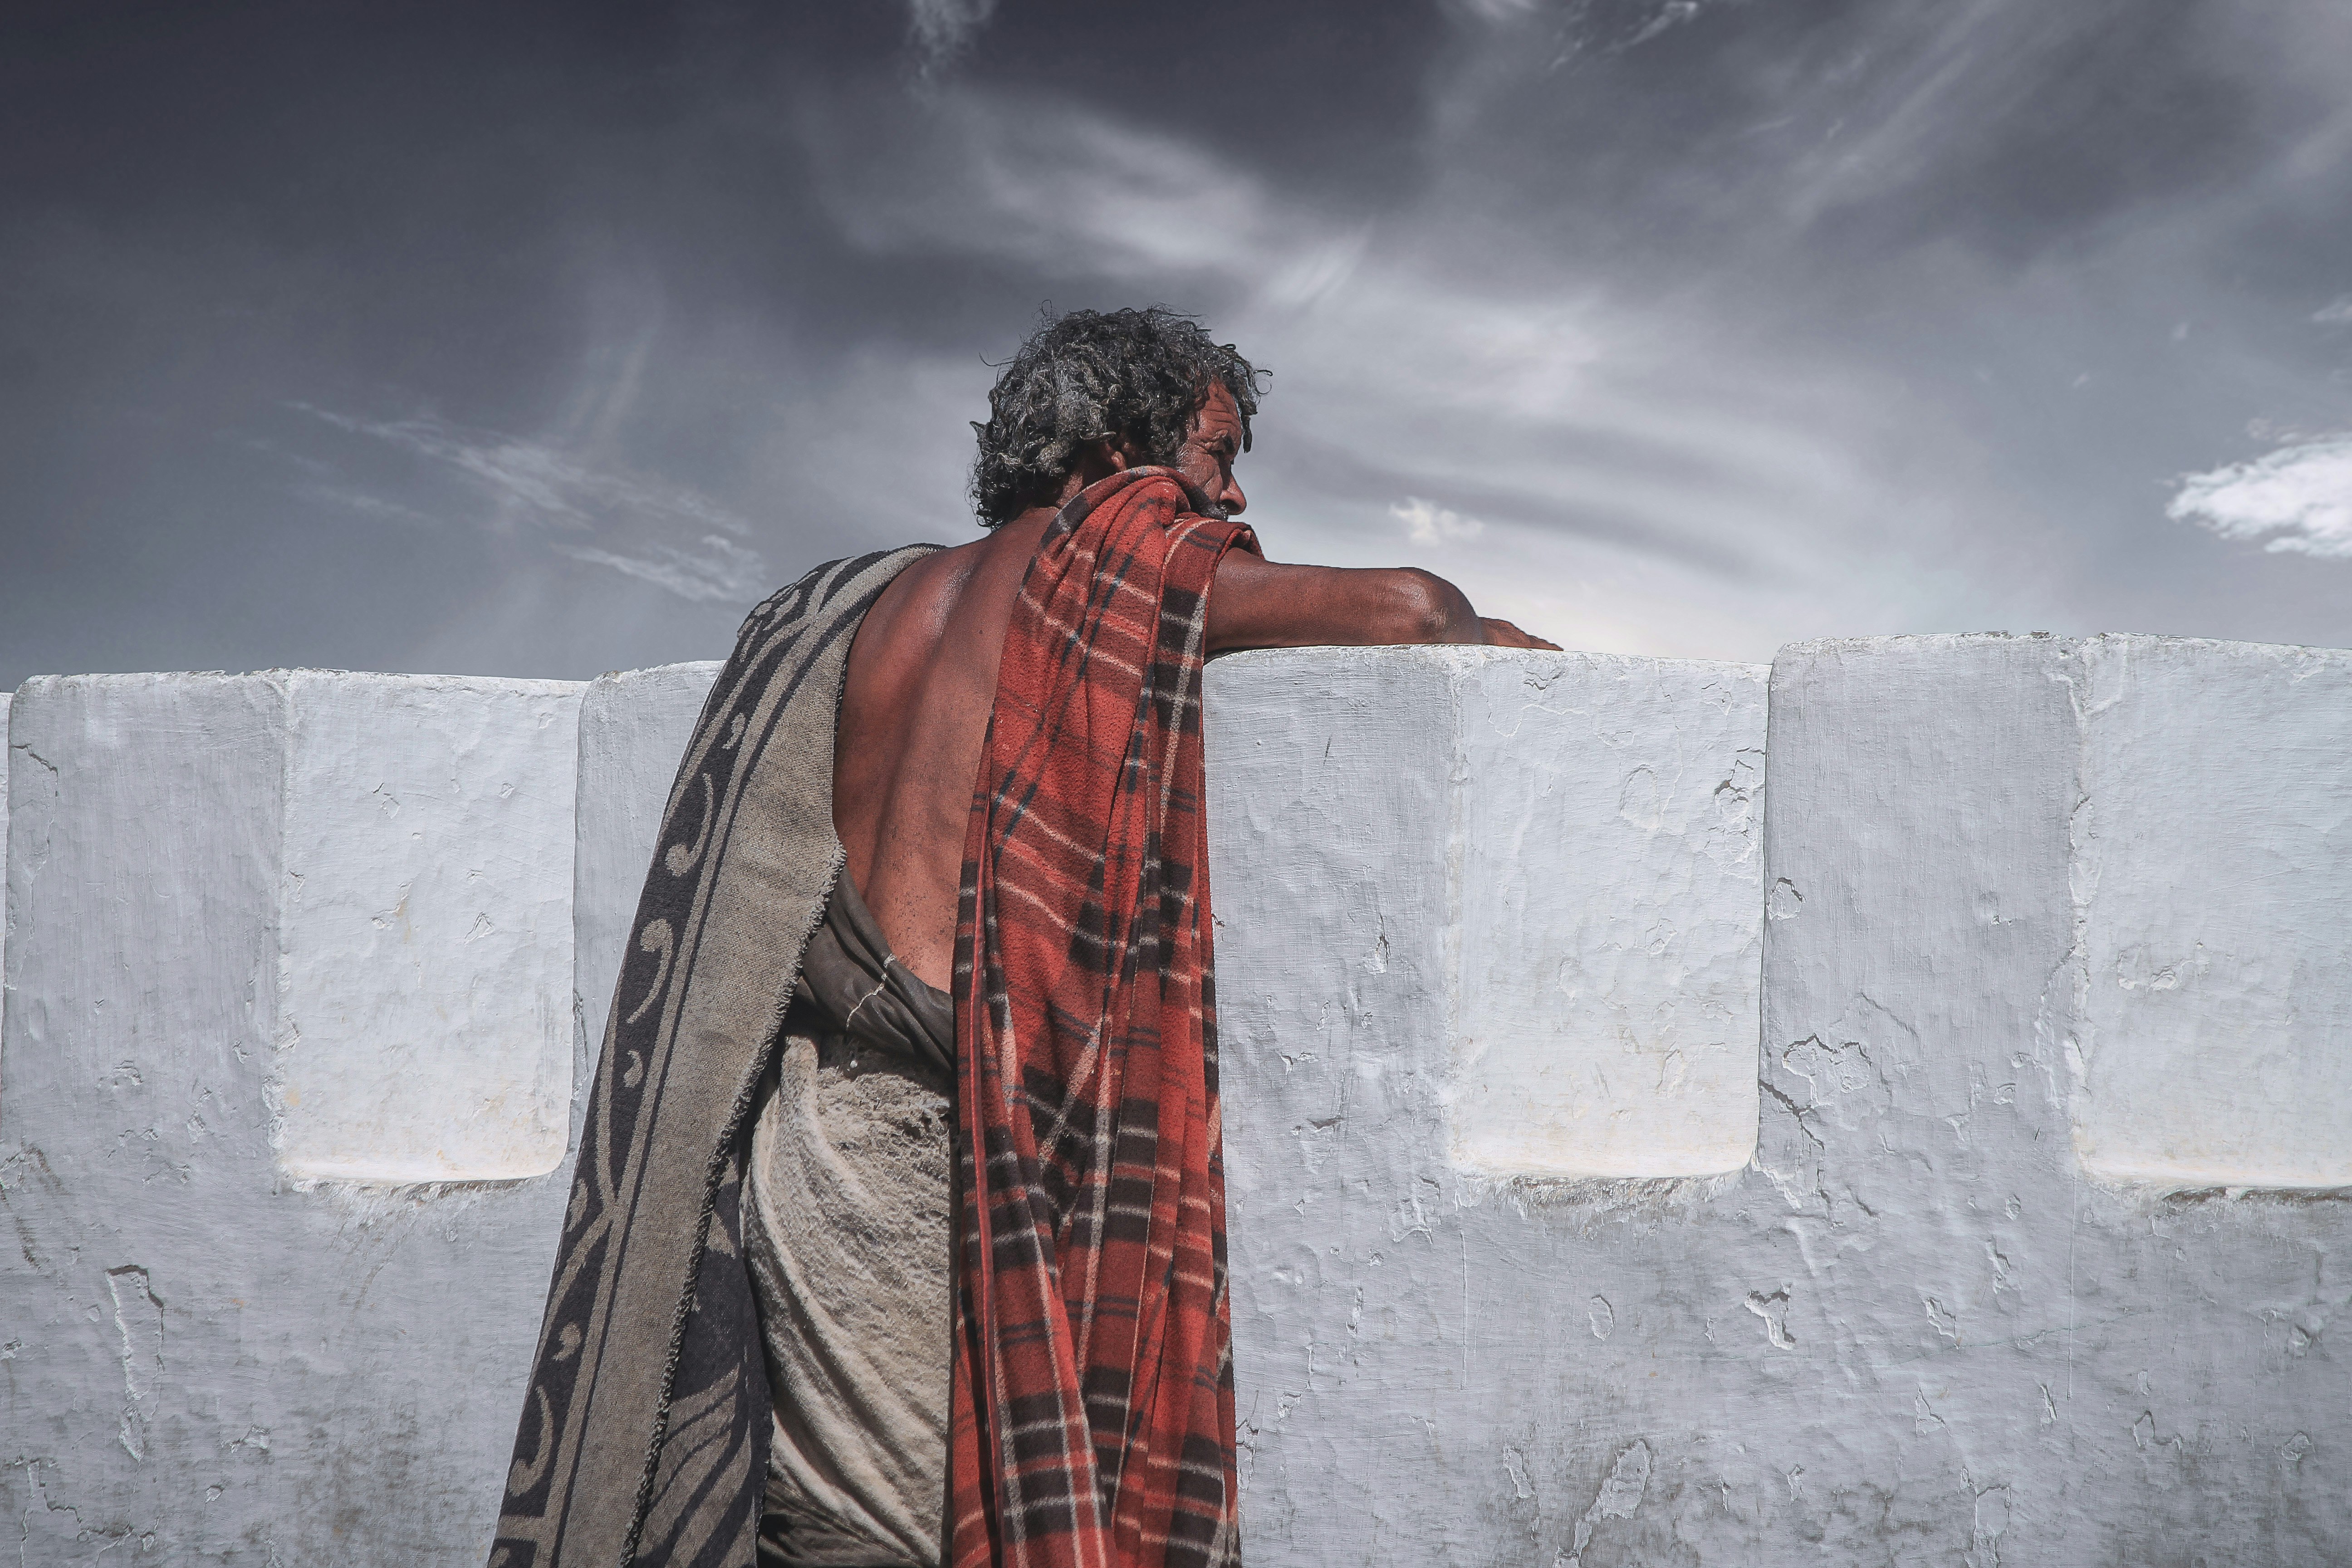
{"x":1098,"y":375}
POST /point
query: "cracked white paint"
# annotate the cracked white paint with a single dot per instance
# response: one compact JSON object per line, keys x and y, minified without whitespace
{"x":1773,"y":1309}
{"x":1992,"y":1522}
{"x":1620,"y":1497}
{"x":138,"y":1319}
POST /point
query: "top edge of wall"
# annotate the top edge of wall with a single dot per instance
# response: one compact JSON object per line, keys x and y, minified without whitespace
{"x":1911,"y":641}
{"x":1464,"y":655}
{"x":683,"y":670}
{"x":302,"y":672}
{"x":2227,"y":647}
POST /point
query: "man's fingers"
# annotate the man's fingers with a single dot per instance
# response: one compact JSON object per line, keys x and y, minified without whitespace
{"x":1503,"y":634}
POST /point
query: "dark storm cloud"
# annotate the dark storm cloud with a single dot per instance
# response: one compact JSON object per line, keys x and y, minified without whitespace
{"x":534,"y":340}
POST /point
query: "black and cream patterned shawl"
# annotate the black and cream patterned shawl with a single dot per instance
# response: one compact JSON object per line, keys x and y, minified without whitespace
{"x":644,"y":1437}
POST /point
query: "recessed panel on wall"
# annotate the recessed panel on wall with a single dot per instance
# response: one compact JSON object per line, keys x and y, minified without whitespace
{"x":1610,"y":912}
{"x":2213,"y":882}
{"x":425,"y":1027}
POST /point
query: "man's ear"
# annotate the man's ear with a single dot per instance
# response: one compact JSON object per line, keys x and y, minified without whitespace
{"x":1111,"y":454}
{"x":1094,"y":460}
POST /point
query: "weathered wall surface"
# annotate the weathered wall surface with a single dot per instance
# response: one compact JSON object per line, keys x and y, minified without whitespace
{"x":2019,"y":1239}
{"x":424,"y":1020}
{"x":1915,"y":1328}
{"x":210,"y":1355}
{"x":1611,"y":1035}
{"x":2216,"y":880}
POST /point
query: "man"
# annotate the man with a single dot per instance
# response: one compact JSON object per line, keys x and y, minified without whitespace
{"x":898,"y":1232}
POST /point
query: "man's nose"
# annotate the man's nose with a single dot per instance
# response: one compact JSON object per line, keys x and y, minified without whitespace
{"x":1231,"y":496}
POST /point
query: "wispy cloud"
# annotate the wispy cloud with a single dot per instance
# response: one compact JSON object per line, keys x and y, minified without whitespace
{"x":1497,"y":10}
{"x":720,"y":572}
{"x":1049,"y":185}
{"x":1660,"y":476}
{"x":2297,"y":499}
{"x":1672,"y":14}
{"x":530,"y":478}
{"x":2336,"y":312}
{"x":1426,"y":522}
{"x":367,"y":503}
{"x":942,"y":30}
{"x":531,"y":482}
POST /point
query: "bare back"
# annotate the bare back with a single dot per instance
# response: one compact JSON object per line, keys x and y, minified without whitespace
{"x":914,"y":714}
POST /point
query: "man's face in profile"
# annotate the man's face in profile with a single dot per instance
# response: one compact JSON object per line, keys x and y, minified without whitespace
{"x":1206,"y":458}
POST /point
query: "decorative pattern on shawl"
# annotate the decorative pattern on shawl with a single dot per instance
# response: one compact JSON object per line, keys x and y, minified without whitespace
{"x":1092,"y":1421}
{"x":644,"y":1435}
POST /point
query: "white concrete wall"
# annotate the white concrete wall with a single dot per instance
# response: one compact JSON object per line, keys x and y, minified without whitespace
{"x":424,"y":1016}
{"x":1606,"y":910}
{"x":1916,"y":1328}
{"x":2019,"y":1239}
{"x":212,"y":1354}
{"x":2215,"y":887}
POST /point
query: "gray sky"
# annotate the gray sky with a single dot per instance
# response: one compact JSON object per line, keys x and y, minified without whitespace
{"x":541,"y":340}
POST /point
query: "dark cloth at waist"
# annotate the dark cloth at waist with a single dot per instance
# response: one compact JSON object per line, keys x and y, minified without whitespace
{"x":860,"y":986}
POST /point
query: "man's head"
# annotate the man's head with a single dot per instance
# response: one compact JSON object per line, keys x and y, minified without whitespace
{"x":1112,"y":389}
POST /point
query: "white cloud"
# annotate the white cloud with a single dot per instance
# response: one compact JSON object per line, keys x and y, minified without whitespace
{"x":1674,"y":13}
{"x":941,"y":28}
{"x":1427,"y":523}
{"x":545,"y":481}
{"x":2298,"y":498}
{"x":721,"y":571}
{"x":351,"y":498}
{"x":2336,"y":312}
{"x":533,"y":482}
{"x":1055,"y":187}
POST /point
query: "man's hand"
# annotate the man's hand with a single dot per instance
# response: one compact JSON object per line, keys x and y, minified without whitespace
{"x":1503,"y":634}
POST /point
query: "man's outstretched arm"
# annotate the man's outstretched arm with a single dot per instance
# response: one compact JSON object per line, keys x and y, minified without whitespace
{"x":1258,"y":603}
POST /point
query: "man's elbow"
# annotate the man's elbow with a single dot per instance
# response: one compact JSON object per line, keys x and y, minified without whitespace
{"x":1426,"y":608}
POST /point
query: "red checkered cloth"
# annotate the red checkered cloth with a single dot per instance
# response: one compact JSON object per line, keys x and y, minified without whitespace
{"x":1092,"y":1420}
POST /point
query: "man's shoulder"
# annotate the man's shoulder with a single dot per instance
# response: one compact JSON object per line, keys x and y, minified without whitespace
{"x":939,"y":579}
{"x":848,"y":577}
